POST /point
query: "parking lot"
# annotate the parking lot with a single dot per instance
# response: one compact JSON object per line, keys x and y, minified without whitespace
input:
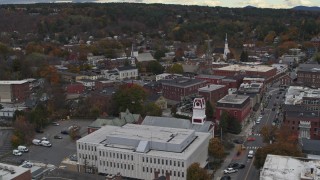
{"x":61,"y":148}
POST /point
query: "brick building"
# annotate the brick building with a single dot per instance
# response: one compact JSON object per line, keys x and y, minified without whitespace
{"x":180,"y":88}
{"x":75,"y":88}
{"x":210,"y":78}
{"x":302,"y":112}
{"x":309,"y":75}
{"x":213,"y":92}
{"x":246,"y":70}
{"x":14,"y":91}
{"x":236,"y":105}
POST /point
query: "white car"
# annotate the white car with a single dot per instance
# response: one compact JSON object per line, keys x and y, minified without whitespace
{"x":230,"y":170}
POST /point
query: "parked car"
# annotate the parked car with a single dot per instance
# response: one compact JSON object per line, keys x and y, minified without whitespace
{"x":65,"y":132}
{"x":230,"y":170}
{"x":225,"y":178}
{"x":55,"y":124}
{"x":236,"y":166}
{"x":73,"y":157}
{"x":46,"y":143}
{"x":39,"y":131}
{"x":251,"y":139}
{"x":57,"y":137}
{"x":36,"y":142}
{"x":16,"y":152}
{"x":23,"y":149}
{"x":250,"y":154}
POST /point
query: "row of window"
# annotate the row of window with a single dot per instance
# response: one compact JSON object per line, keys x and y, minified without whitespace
{"x":116,"y":155}
{"x":88,"y":156}
{"x":162,"y":161}
{"x":117,"y":165}
{"x":87,"y":147}
{"x":174,"y":173}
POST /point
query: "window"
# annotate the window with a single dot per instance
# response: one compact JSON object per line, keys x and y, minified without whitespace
{"x":174,"y":163}
{"x":178,"y":163}
{"x":110,"y":164}
{"x":132,"y":167}
{"x":292,"y":127}
{"x":100,"y":153}
{"x":170,"y":162}
{"x":151,"y":170}
{"x":182,"y":174}
{"x":125,"y":166}
{"x":129,"y":167}
{"x":158,"y":161}
{"x":178,"y":173}
{"x":166,"y":162}
{"x":147,"y":169}
{"x":121,"y":166}
{"x":162,"y":161}
{"x":142,"y":159}
{"x":150,"y":160}
{"x":174,"y":173}
{"x":120,"y":156}
{"x":182,"y":164}
{"x":147,"y":160}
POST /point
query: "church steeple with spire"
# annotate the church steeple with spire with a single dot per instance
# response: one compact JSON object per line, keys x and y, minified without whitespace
{"x":226,"y":48}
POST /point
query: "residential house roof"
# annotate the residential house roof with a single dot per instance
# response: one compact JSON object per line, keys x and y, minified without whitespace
{"x":125,"y":68}
{"x":145,"y":57}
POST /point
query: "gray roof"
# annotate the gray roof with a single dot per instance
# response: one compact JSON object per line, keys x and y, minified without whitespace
{"x":145,"y":57}
{"x":309,"y":67}
{"x":210,"y":76}
{"x":190,"y":68}
{"x":211,"y":87}
{"x":310,"y":146}
{"x":182,"y":82}
{"x":175,"y":123}
{"x":125,"y":68}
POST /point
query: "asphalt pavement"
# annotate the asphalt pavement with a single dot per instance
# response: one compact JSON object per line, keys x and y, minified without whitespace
{"x":252,"y":130}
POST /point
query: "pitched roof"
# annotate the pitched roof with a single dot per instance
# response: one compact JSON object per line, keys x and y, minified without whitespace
{"x":129,"y":117}
{"x":125,"y":68}
{"x":145,"y":57}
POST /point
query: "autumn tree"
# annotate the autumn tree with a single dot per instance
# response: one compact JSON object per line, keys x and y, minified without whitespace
{"x":151,"y":109}
{"x":23,"y":131}
{"x":195,"y":172}
{"x":268,"y":133}
{"x":50,"y":73}
{"x":286,"y":144}
{"x":175,"y":69}
{"x":216,"y":149}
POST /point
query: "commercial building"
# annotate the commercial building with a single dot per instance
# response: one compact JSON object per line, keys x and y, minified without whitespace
{"x":309,"y":75}
{"x":11,"y":172}
{"x":302,"y":111}
{"x":143,"y":152}
{"x":287,"y":167}
{"x":14,"y":91}
{"x":213,"y":92}
{"x":236,"y":105}
{"x":246,"y":70}
{"x":180,"y":88}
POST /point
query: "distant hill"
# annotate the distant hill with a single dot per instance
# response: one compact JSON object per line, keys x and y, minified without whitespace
{"x":306,"y":8}
{"x":249,"y":7}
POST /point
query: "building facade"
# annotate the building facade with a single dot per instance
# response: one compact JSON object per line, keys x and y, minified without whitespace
{"x":213,"y":93}
{"x":139,"y":151}
{"x":237,"y":106}
{"x":14,"y":91}
{"x":309,"y":75}
{"x":180,"y":88}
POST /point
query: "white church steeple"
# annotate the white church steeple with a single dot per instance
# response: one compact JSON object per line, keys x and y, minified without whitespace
{"x":226,"y":48}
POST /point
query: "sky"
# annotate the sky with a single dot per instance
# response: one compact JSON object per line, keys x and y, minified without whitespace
{"x":231,"y":3}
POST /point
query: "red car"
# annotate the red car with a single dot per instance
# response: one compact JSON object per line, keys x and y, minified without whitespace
{"x":251,"y":139}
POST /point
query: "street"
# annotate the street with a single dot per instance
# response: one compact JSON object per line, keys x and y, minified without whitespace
{"x":255,"y":141}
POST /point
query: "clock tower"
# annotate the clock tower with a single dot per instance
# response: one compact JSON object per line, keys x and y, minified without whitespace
{"x":199,"y":111}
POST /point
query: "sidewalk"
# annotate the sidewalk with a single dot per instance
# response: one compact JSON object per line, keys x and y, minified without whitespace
{"x":233,"y":152}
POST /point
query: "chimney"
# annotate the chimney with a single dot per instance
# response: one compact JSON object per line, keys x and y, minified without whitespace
{"x":156,"y":175}
{"x":168,"y":174}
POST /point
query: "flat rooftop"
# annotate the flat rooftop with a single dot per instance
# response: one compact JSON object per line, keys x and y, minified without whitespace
{"x":309,"y":68}
{"x":142,"y":137}
{"x":233,"y":99}
{"x":286,"y":167}
{"x":182,"y":82}
{"x":5,"y":174}
{"x":210,"y":76}
{"x":237,"y":67}
{"x":211,"y":87}
{"x":295,"y":94}
{"x":13,"y":82}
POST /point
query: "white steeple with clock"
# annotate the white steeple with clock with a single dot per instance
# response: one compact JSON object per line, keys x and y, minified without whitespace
{"x":199,"y":111}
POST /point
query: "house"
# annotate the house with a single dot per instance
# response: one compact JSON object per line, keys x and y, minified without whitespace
{"x":124,"y":118}
{"x":158,"y":99}
{"x":237,"y":106}
{"x":88,"y":83}
{"x":75,"y":88}
{"x":127,"y":72}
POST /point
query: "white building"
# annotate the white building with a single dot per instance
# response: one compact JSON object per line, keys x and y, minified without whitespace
{"x":127,"y":72}
{"x":285,"y":167}
{"x":199,"y":111}
{"x":141,"y":151}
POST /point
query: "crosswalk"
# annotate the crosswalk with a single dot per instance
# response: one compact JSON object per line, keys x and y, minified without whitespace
{"x":257,"y":134}
{"x":253,"y":147}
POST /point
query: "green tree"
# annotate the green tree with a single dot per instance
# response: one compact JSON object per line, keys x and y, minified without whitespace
{"x":38,"y":116}
{"x":216,"y":149}
{"x":129,"y":97}
{"x":244,"y":56}
{"x":224,"y":122}
{"x":229,"y":123}
{"x":159,"y":54}
{"x":195,"y":172}
{"x":209,"y":110}
{"x":4,"y":51}
{"x":155,"y":67}
{"x":176,"y":69}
